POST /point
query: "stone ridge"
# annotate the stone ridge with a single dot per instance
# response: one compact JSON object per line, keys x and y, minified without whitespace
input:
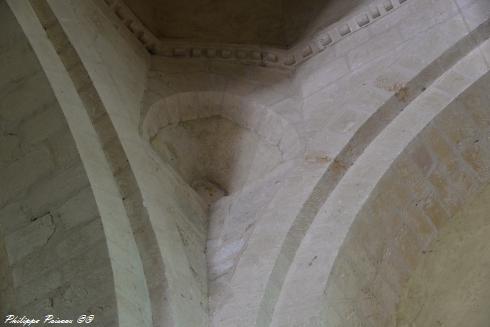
{"x":251,"y":54}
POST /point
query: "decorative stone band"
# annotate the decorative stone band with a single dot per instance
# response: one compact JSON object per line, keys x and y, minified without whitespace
{"x":250,"y":54}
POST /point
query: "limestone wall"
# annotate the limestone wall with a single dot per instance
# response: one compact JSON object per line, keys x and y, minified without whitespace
{"x":449,"y":285}
{"x":54,"y":256}
{"x":443,"y":168}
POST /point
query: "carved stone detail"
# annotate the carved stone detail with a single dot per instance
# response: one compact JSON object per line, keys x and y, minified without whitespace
{"x":250,"y":54}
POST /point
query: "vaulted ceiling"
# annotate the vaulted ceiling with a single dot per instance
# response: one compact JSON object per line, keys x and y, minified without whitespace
{"x":278,"y":23}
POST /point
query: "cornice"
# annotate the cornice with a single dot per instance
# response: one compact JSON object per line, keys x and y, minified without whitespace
{"x":250,"y":54}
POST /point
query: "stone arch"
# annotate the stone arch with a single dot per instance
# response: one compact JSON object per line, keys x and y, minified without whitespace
{"x":344,"y":160}
{"x":54,"y":253}
{"x":92,"y":131}
{"x":356,"y":292}
{"x":274,"y":133}
{"x":444,"y":166}
{"x":379,"y":119}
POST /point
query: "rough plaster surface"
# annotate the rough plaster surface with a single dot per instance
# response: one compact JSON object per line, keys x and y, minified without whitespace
{"x":250,"y":196}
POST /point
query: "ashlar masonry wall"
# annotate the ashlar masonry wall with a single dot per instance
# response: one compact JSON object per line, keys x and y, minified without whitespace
{"x":53,"y":252}
{"x":173,"y":232}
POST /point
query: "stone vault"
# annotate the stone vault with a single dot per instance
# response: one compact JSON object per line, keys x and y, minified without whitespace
{"x":316,"y":163}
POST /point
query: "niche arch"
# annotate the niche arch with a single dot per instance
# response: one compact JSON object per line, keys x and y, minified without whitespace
{"x":221,"y":140}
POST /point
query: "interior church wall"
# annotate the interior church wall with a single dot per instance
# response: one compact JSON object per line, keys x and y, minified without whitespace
{"x":336,"y":103}
{"x":235,"y":184}
{"x":353,"y":107}
{"x":339,"y":120}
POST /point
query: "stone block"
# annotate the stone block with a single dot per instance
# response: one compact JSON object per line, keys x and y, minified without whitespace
{"x":39,"y":288}
{"x":57,"y":37}
{"x":475,"y":12}
{"x":78,"y":209}
{"x":43,"y":124}
{"x":320,"y":76}
{"x":375,"y":49}
{"x":85,"y":292}
{"x":9,"y":147}
{"x":63,"y":148}
{"x":95,"y":255}
{"x":78,"y":239}
{"x":30,"y":238}
{"x":79,"y":76}
{"x":14,"y":76}
{"x":25,"y":172}
{"x":423,"y":159}
{"x":13,"y":216}
{"x":92,"y":103}
{"x":69,"y":56}
{"x":105,"y":129}
{"x":54,"y":191}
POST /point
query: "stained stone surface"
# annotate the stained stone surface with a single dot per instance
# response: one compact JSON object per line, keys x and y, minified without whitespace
{"x":449,"y":287}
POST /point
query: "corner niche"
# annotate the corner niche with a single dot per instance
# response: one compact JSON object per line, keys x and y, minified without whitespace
{"x":218,"y":149}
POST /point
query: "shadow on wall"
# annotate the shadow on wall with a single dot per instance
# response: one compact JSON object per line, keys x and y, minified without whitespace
{"x":279,"y":23}
{"x":215,"y":155}
{"x":218,"y":148}
{"x":304,"y":18}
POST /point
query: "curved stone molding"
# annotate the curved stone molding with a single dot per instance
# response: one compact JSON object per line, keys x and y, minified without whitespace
{"x":366,"y":133}
{"x":441,"y":169}
{"x":145,"y":237}
{"x":350,"y":198}
{"x":269,"y":125}
{"x":54,"y":256}
{"x":165,"y":221}
{"x":130,"y":290}
{"x":249,"y":54}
